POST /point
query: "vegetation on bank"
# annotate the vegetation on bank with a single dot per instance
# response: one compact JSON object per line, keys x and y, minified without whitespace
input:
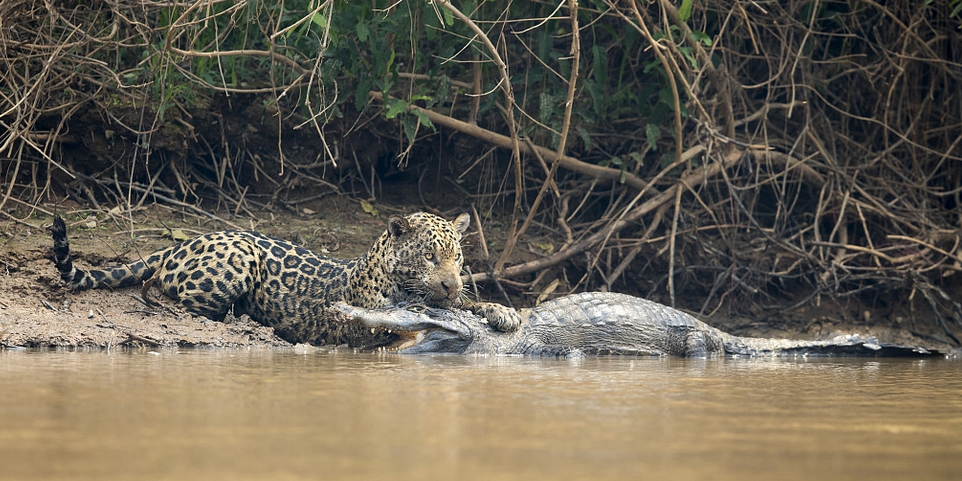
{"x":751,"y":153}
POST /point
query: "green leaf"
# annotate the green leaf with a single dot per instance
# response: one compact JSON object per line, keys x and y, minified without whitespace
{"x":652,"y":132}
{"x":362,"y":31}
{"x":667,"y":159}
{"x":410,"y":124}
{"x":651,"y":65}
{"x":665,"y":97}
{"x":390,"y":61}
{"x":319,"y":20}
{"x":425,"y":121}
{"x":361,"y":94}
{"x":598,"y":99}
{"x":176,"y":235}
{"x":545,"y":107}
{"x":688,"y":53}
{"x":369,"y":208}
{"x":396,"y":107}
{"x":444,"y":88}
{"x":431,"y":23}
{"x":599,"y":64}
{"x":585,"y":137}
{"x":684,"y":11}
{"x":701,"y":37}
{"x":448,"y":17}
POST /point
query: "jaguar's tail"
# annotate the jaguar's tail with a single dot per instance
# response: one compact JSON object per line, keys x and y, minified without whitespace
{"x":122,"y":275}
{"x":72,"y":276}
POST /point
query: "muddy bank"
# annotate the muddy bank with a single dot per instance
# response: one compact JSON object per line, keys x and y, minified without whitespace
{"x":36,"y":311}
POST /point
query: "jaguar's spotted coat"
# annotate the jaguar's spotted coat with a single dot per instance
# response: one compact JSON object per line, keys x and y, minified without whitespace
{"x":287,"y":287}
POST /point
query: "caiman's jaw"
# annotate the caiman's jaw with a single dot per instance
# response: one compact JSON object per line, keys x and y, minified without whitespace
{"x":436,"y":341}
{"x":405,"y":340}
{"x":417,"y":330}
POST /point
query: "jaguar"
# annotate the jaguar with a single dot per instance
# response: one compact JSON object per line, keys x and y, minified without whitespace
{"x":418,"y":259}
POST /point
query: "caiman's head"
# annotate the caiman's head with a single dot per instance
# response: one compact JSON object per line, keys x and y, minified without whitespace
{"x":423,"y":330}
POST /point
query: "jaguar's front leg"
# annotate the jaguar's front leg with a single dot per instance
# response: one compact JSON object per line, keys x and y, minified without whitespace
{"x":501,"y":317}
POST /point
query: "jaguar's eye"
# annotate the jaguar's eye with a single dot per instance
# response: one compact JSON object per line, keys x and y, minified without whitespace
{"x":429,"y":256}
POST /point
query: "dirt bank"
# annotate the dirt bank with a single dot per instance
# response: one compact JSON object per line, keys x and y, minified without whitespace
{"x":36,"y":311}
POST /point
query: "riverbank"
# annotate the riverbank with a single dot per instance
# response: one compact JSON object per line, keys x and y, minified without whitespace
{"x":36,"y":311}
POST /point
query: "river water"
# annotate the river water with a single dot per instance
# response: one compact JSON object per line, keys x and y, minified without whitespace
{"x":274,"y":415}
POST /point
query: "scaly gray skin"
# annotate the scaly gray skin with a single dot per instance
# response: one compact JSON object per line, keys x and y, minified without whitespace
{"x":596,"y":323}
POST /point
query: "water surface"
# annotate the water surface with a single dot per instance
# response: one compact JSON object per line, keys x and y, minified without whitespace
{"x":239,"y":415}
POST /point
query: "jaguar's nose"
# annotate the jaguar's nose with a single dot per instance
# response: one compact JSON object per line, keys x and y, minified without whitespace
{"x":452,"y":286}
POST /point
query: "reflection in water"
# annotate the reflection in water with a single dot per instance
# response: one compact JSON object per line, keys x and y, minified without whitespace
{"x":280,"y":415}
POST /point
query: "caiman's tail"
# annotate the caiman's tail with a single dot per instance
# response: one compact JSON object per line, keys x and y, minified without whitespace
{"x":78,"y":279}
{"x":846,"y":345}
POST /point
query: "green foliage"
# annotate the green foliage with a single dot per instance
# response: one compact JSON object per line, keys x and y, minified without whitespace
{"x":417,"y":53}
{"x":684,"y":11}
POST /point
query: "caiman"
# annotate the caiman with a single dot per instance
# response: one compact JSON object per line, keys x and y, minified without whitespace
{"x":597,"y":323}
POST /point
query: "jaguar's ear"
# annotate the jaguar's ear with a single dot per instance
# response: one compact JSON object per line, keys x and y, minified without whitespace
{"x":462,"y":222}
{"x":398,"y":225}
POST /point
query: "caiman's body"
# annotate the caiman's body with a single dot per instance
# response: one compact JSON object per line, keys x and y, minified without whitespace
{"x":597,"y":324}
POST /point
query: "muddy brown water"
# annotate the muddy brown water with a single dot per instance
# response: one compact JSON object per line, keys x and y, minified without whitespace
{"x":277,"y":414}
